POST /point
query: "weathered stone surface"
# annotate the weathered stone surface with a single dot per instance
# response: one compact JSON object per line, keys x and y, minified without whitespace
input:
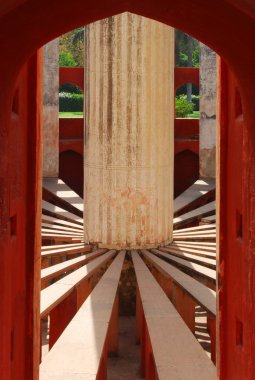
{"x":208,"y":111}
{"x":207,"y":162}
{"x":129,"y":106}
{"x":51,"y":109}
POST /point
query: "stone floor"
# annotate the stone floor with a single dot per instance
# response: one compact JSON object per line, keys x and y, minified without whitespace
{"x":201,"y":332}
{"x":126,"y":365}
{"x":45,"y":337}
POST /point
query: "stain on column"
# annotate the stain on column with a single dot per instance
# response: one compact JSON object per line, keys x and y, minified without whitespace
{"x":128,"y":189}
{"x":50,"y":121}
{"x":207,"y":150}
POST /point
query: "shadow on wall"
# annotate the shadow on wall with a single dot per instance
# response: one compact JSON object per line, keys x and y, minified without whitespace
{"x":186,"y":171}
{"x":71,"y":170}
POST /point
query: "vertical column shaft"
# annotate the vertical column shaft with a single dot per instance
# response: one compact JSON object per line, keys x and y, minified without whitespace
{"x":207,"y":140}
{"x":129,"y":111}
{"x":51,"y":109}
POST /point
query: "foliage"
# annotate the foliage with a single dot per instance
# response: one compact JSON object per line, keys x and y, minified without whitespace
{"x":70,"y":102}
{"x":186,"y":50}
{"x":195,"y":56}
{"x":195,"y":100}
{"x":183,"y":59}
{"x":69,"y":87}
{"x":182,"y":106}
{"x":182,"y":90}
{"x":72,"y":45}
{"x":71,"y":114}
{"x":66,"y":59}
{"x":194,"y":115}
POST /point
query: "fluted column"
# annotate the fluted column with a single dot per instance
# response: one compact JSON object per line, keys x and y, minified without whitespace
{"x":208,"y":94}
{"x":129,"y":110}
{"x":50,"y":122}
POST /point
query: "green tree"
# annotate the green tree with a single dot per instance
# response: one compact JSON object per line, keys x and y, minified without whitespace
{"x":66,"y":59}
{"x":73,"y":44}
{"x":186,"y":55}
{"x":182,"y":106}
{"x":186,"y":50}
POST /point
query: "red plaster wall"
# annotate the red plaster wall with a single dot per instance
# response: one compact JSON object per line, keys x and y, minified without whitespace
{"x":71,"y":136}
{"x":186,"y":144}
{"x":71,"y":150}
{"x":20,"y":231}
{"x":71,"y":170}
{"x":71,"y":128}
{"x":228,"y":28}
{"x":186,"y":154}
{"x":186,"y":128}
{"x":184,"y":75}
{"x":186,"y":170}
{"x":186,"y":134}
{"x":73,"y":75}
{"x":236,"y":243}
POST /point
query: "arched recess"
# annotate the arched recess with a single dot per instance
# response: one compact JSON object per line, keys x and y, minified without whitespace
{"x":19,"y":194}
{"x":186,"y":171}
{"x":74,"y":75}
{"x":71,"y":170}
{"x":184,"y":75}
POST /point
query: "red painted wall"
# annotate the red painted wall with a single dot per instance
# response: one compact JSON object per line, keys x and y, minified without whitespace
{"x":71,"y":170}
{"x":236,"y":243}
{"x":71,"y":135}
{"x":71,"y":150}
{"x":184,"y":75}
{"x":186,"y":154}
{"x":73,"y":75}
{"x":71,"y":128}
{"x":186,"y":129}
{"x":186,"y":170}
{"x":20,"y":230}
{"x":71,"y":140}
{"x":187,"y":144}
{"x":228,"y":28}
{"x":186,"y":137}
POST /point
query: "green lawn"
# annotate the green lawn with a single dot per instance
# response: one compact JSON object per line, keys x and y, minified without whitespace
{"x":194,"y":115}
{"x":70,"y":114}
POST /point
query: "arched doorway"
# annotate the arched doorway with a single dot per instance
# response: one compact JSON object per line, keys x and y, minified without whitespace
{"x":215,"y":25}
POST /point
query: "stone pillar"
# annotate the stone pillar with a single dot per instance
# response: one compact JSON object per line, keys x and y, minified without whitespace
{"x":129,"y":111}
{"x":51,"y":109}
{"x":207,"y":150}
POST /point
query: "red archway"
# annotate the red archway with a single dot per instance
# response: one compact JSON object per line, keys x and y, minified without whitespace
{"x":227,"y":27}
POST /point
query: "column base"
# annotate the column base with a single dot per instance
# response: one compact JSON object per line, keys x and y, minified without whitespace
{"x":119,"y":247}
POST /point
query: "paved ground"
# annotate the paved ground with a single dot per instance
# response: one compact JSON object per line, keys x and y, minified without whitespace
{"x":45,"y":337}
{"x":201,"y":332}
{"x":126,"y":365}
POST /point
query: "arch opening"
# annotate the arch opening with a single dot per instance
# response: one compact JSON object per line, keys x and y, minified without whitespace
{"x":218,"y":42}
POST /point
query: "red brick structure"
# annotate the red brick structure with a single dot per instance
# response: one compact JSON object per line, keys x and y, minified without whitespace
{"x":228,"y":28}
